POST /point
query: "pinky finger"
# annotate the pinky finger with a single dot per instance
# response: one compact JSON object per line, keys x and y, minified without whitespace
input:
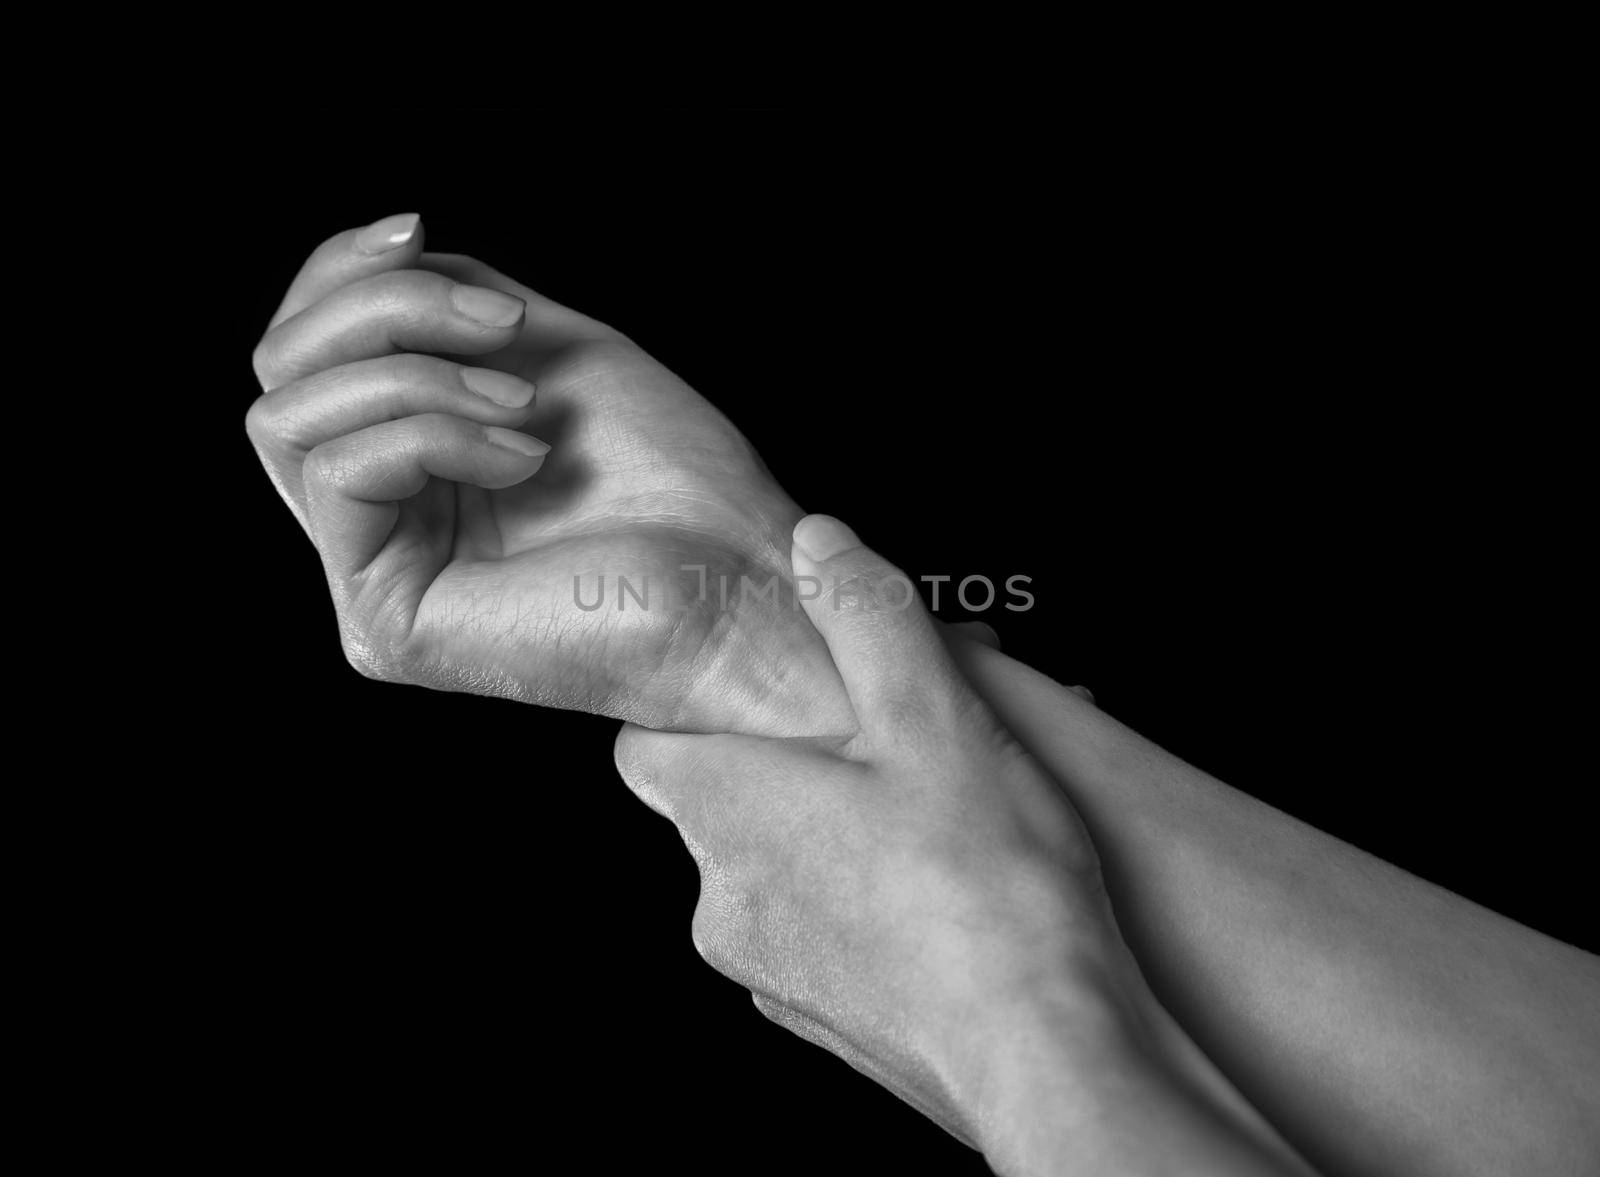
{"x":354,"y":483}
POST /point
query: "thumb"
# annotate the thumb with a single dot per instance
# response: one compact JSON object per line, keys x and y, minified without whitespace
{"x":882,"y":640}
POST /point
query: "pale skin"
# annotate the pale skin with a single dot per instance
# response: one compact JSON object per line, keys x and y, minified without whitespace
{"x":921,"y":899}
{"x":451,"y":565}
{"x":1381,"y":1025}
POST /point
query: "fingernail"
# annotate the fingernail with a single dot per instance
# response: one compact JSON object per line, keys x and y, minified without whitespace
{"x":822,"y":537}
{"x":489,"y":307}
{"x":500,"y":387}
{"x":389,"y":233}
{"x":530,"y":447}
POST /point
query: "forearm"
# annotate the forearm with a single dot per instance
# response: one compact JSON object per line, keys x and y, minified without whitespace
{"x":1383,"y":1024}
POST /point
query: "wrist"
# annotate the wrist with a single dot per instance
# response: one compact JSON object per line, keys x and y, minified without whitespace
{"x":1047,"y":1064}
{"x":760,"y":667}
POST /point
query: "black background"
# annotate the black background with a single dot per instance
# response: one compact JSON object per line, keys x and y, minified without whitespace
{"x":1236,"y":394}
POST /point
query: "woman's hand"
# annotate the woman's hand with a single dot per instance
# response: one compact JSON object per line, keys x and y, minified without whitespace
{"x":470,"y":458}
{"x":922,"y":900}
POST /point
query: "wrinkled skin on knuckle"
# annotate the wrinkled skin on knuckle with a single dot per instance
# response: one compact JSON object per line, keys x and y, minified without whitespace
{"x":270,"y":419}
{"x":396,"y":299}
{"x":262,"y":427}
{"x":362,"y":662}
{"x":377,"y":656}
{"x":260,"y":423}
{"x":709,"y":939}
{"x":323,"y":472}
{"x":730,"y":924}
{"x":375,"y":613}
{"x":417,"y":370}
{"x":364,"y":655}
{"x":277,"y":429}
{"x":361,"y":651}
{"x":263,"y":361}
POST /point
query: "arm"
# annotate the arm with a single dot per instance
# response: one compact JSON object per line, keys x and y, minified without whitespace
{"x":1134,"y":1097}
{"x":1382,"y":1023}
{"x":921,"y":899}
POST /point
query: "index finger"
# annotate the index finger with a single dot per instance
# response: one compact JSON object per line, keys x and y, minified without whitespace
{"x":394,"y":243}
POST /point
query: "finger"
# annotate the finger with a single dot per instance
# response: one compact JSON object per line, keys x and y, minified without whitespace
{"x":548,"y":325}
{"x":407,"y":310}
{"x":974,"y":631}
{"x":882,"y":640}
{"x":354,"y":483}
{"x":394,"y":243}
{"x":1083,"y":692}
{"x":289,"y":422}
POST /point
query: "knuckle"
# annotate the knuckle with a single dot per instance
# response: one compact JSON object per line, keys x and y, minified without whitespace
{"x":403,"y":663}
{"x":330,"y":468}
{"x":264,"y":360}
{"x":260,"y":422}
{"x":413,"y":369}
{"x":442,"y":425}
{"x":731,"y":920}
{"x":711,"y":942}
{"x":273,"y":424}
{"x":322,"y":468}
{"x":361,"y":660}
{"x":361,"y":652}
{"x":398,"y":293}
{"x":434,"y":433}
{"x":372,"y":646}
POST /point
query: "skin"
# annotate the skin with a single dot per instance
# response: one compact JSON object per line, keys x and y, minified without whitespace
{"x":1385,"y":1026}
{"x":451,"y":566}
{"x":921,"y":899}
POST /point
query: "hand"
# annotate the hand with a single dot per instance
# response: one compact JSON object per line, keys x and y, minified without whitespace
{"x":922,"y":900}
{"x":896,"y":896}
{"x":463,"y":509}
